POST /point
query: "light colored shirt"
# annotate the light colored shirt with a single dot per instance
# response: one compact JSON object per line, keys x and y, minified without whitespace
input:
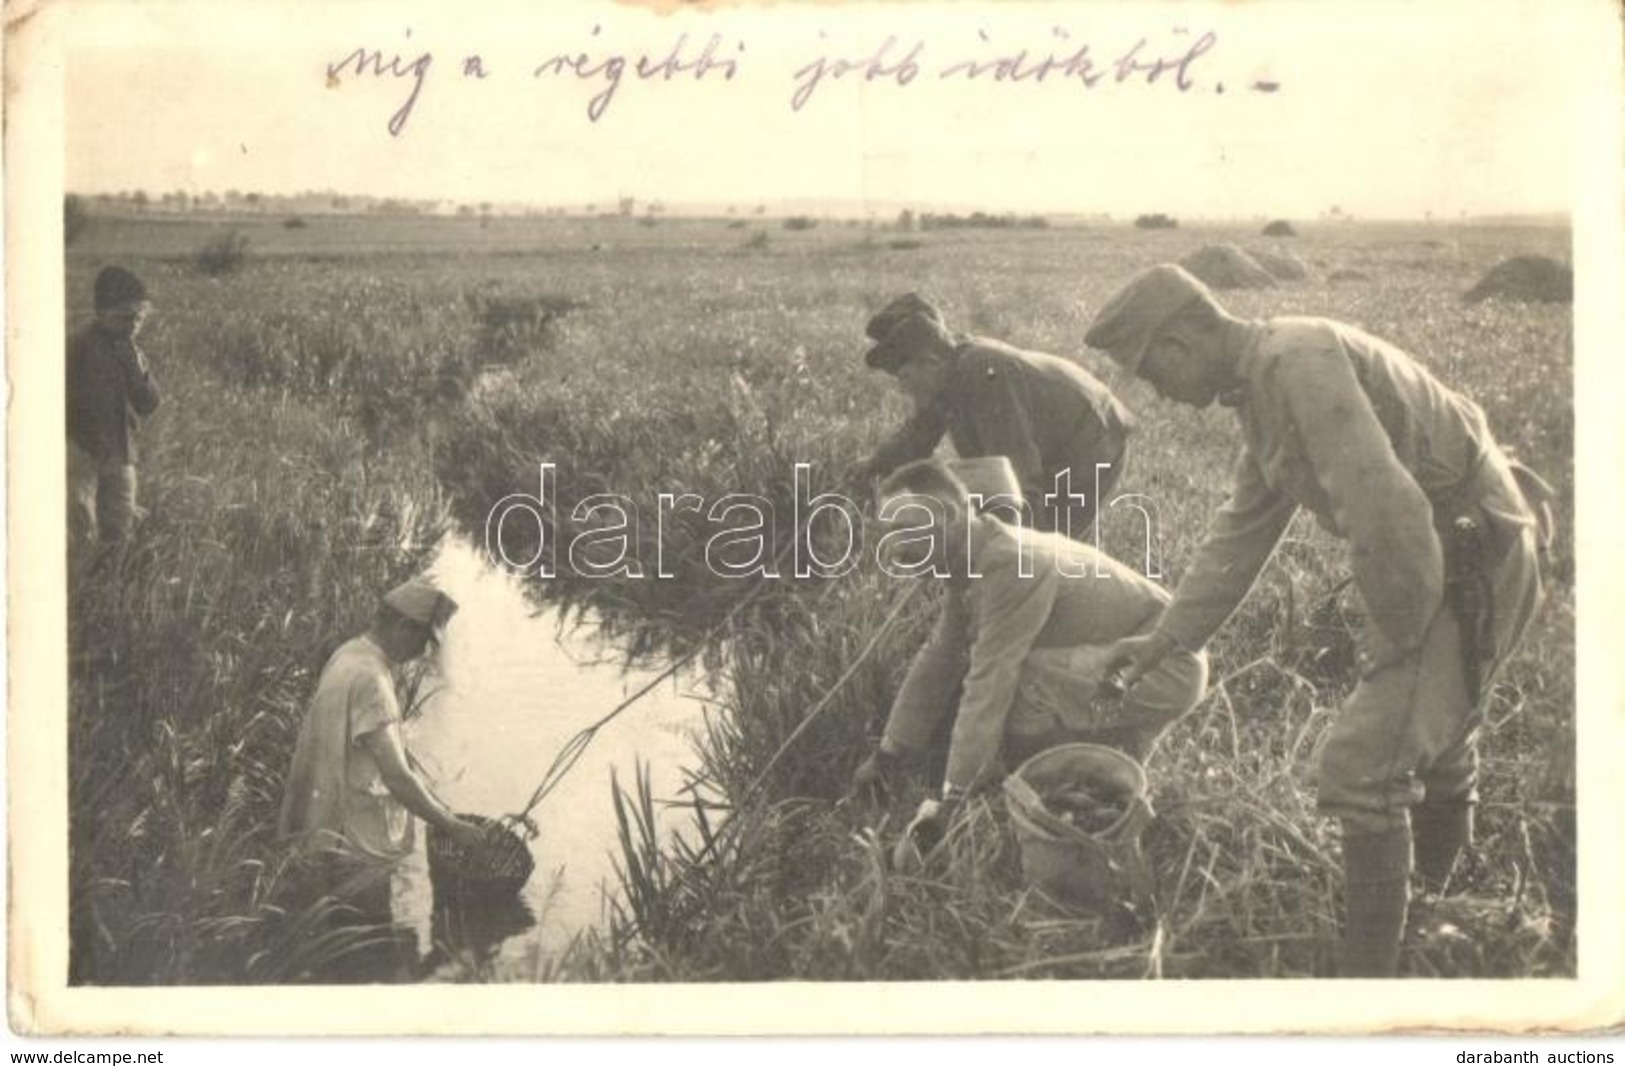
{"x":336,"y":798}
{"x":1355,"y":431}
{"x":990,"y":624}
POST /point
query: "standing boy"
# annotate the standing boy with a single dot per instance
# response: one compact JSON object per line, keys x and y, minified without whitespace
{"x":109,"y":386}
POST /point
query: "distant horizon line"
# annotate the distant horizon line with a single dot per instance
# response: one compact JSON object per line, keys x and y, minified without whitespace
{"x":834,"y":208}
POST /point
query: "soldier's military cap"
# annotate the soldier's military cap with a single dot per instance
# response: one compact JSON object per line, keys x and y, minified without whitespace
{"x":1125,"y":327}
{"x":910,"y":335}
{"x":894,"y":312}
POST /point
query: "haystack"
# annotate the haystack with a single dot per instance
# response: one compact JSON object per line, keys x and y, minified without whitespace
{"x":1224,"y":266}
{"x":1280,"y":228}
{"x":1526,"y":278}
{"x":1283,"y":266}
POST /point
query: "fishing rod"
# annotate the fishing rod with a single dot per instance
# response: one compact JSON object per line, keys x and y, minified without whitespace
{"x":751,"y":791}
{"x":824,"y":701}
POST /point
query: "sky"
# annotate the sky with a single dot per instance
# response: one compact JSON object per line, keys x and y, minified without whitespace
{"x":1383,"y":109}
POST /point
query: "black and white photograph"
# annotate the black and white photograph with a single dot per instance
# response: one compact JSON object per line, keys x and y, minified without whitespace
{"x":892,"y":517}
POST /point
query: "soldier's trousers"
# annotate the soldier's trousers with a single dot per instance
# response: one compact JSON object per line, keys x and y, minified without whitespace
{"x":1409,"y":732}
{"x":1056,"y":702}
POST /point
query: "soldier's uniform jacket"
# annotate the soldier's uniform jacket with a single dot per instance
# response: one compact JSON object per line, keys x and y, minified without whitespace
{"x":1044,"y":413}
{"x":992,"y":622}
{"x":1352,"y":429}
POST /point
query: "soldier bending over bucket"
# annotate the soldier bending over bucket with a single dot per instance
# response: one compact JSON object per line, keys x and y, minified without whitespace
{"x":1025,"y":634}
{"x":1443,"y":536}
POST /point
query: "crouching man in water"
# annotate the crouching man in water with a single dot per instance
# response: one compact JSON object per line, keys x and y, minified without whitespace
{"x":1443,"y":535}
{"x":352,"y":790}
{"x":1020,"y":647}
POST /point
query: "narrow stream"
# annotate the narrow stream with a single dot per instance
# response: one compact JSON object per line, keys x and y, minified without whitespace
{"x":517,"y":687}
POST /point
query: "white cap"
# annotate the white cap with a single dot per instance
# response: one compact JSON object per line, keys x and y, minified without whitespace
{"x":422,"y":602}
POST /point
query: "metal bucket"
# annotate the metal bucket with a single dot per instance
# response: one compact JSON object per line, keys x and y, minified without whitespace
{"x":1090,"y":859}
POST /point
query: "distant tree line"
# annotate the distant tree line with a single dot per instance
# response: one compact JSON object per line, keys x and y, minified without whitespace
{"x":907,"y":221}
{"x":234,"y":201}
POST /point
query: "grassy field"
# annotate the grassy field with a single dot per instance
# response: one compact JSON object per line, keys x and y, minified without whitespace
{"x":329,"y":414}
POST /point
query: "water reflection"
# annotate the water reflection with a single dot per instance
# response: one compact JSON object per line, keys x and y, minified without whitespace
{"x":517,"y":688}
{"x":467,"y":932}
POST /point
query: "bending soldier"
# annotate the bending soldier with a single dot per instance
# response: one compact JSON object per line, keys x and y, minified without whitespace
{"x":1019,"y":650}
{"x":1352,"y":429}
{"x":1050,"y":417}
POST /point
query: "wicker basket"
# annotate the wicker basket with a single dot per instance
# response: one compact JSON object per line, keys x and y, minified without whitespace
{"x":499,"y":865}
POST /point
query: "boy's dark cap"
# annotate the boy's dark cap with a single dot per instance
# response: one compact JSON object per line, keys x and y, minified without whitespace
{"x":115,"y":285}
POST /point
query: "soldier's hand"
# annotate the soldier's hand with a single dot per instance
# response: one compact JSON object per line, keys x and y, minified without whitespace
{"x":1375,"y":653}
{"x":930,"y":824}
{"x":1132,"y":658}
{"x":875,"y":776}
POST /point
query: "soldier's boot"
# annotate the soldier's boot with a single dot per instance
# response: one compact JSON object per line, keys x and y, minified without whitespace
{"x":1376,"y":888}
{"x":1440,"y":830}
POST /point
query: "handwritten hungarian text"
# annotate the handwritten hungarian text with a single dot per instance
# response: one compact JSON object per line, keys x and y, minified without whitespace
{"x":1172,"y":61}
